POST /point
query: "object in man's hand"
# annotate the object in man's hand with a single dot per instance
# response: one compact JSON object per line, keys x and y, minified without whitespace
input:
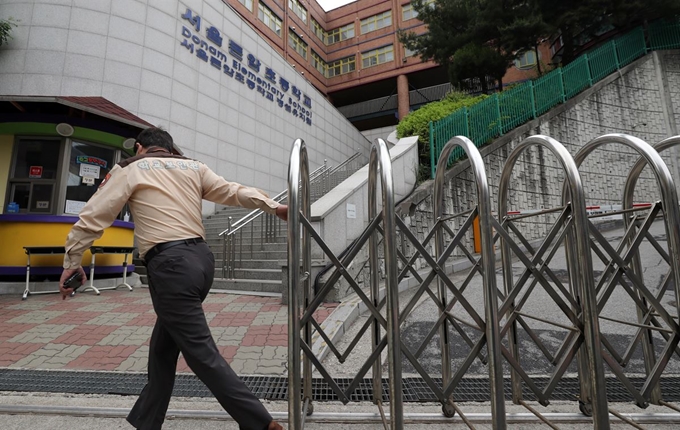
{"x":73,"y":281}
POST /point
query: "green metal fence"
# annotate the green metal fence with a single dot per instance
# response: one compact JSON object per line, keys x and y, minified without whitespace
{"x":504,"y":111}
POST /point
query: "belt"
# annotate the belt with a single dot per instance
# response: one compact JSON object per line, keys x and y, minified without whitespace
{"x":167,"y":245}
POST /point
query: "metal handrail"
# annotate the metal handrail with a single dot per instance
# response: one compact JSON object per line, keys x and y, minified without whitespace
{"x":280,"y":197}
{"x":321,"y":181}
{"x":277,"y":198}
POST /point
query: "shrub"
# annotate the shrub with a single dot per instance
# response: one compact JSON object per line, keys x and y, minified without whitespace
{"x":417,"y":123}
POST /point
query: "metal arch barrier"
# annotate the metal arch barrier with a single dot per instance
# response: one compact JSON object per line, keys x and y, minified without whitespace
{"x":625,"y":260}
{"x":579,"y":305}
{"x":487,"y":327}
{"x":642,"y":335}
{"x":300,"y":315}
{"x":380,"y":156}
{"x":298,"y":249}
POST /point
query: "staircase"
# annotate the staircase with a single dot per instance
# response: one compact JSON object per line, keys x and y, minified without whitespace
{"x":260,"y":246}
{"x":259,"y":268}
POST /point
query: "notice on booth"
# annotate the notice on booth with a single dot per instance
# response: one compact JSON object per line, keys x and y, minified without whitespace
{"x":35,"y":172}
{"x":73,"y":207}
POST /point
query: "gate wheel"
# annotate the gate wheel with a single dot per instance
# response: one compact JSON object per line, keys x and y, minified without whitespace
{"x":585,"y":408}
{"x":448,"y":410}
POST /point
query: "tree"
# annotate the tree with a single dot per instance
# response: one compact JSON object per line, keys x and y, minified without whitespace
{"x":510,"y":27}
{"x":526,"y":30}
{"x":5,"y":30}
{"x":472,"y":38}
{"x":574,"y":20}
{"x":477,"y":61}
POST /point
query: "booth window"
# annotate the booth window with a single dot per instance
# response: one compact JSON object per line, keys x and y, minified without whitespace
{"x":34,"y":174}
{"x":88,"y":166}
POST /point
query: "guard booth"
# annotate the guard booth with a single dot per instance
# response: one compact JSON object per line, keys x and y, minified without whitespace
{"x":54,"y":154}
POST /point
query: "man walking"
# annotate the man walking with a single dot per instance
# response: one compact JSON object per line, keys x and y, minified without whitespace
{"x":165,"y":193}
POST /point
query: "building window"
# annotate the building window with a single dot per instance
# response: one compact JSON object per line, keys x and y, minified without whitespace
{"x":318,"y":30}
{"x":247,"y":3}
{"x":52,"y":176}
{"x":340,"y":34}
{"x":376,"y":22}
{"x":526,"y":60}
{"x":269,"y":18}
{"x":319,"y":64}
{"x":342,"y":66}
{"x":409,"y":53}
{"x":298,"y":9}
{"x":409,"y":12}
{"x":297,"y":43}
{"x":34,"y":175}
{"x":87,"y":167}
{"x":377,"y":56}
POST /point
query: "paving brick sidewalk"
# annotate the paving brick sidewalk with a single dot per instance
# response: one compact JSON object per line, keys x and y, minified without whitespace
{"x":112,"y":331}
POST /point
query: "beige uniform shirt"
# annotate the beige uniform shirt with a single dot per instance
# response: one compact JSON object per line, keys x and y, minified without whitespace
{"x":165,"y":194}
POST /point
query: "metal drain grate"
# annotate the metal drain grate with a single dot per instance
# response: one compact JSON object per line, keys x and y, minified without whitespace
{"x":276,"y":387}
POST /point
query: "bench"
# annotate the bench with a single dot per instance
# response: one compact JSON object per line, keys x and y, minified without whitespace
{"x":50,"y":250}
{"x":126,"y":250}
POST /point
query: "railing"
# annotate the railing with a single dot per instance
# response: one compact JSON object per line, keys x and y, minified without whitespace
{"x":321,"y":180}
{"x":573,"y":280}
{"x":504,"y":111}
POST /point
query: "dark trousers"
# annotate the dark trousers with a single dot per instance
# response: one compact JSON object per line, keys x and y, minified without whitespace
{"x":179,"y":280}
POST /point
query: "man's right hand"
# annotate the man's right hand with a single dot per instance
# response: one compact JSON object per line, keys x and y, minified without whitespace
{"x":282,"y":212}
{"x":65,"y":275}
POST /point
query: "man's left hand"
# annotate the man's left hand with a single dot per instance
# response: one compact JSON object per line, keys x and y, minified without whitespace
{"x":282,"y":212}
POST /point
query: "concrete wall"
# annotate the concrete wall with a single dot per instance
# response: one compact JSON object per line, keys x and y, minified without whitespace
{"x":130,"y":52}
{"x":641,"y":100}
{"x":381,"y":133}
{"x":342,"y":215}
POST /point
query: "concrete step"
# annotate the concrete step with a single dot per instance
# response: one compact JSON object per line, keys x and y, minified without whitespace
{"x":253,"y":264}
{"x":216,"y":229}
{"x":255,"y":274}
{"x":247,"y":285}
{"x":256,"y":244}
{"x":255,"y":255}
{"x":140,"y":270}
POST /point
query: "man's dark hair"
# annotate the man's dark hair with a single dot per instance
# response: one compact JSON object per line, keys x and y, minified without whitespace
{"x":155,"y":136}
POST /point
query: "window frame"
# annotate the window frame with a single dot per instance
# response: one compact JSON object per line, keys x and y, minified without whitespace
{"x":375,"y":54}
{"x":349,"y":28}
{"x":56,"y":182}
{"x":375,"y":19}
{"x":349,"y":62}
{"x":245,"y":4}
{"x":316,"y":29}
{"x":316,"y":58}
{"x":272,"y":16}
{"x":298,"y":10}
{"x":517,"y":62}
{"x":295,"y":41}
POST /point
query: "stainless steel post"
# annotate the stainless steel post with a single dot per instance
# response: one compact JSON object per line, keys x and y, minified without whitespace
{"x":628,"y":194}
{"x":298,"y":201}
{"x":380,"y":157}
{"x":493,"y":338}
{"x":374,"y":265}
{"x":584,"y":277}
